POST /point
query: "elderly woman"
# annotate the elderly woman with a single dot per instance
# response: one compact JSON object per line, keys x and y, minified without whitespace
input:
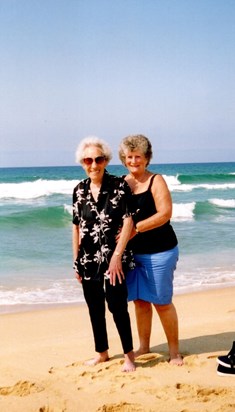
{"x":154,"y":244}
{"x":100,"y":211}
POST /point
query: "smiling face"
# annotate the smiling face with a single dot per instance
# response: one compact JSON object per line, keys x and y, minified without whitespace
{"x":135,"y":162}
{"x":94,"y":163}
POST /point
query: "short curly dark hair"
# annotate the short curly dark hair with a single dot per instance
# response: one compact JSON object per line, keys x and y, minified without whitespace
{"x":135,"y":142}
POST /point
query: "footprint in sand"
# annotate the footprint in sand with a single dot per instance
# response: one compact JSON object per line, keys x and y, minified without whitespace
{"x":121,"y":407}
{"x":21,"y":388}
{"x":150,"y":360}
{"x":72,"y":365}
{"x":51,"y":409}
{"x":194,"y":361}
{"x":201,"y":394}
{"x":227,"y":407}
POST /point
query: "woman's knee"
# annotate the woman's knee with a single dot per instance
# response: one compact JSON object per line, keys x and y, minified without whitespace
{"x":143,"y":305}
{"x":163,"y":308}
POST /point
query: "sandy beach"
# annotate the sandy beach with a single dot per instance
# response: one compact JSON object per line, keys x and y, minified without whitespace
{"x":42,"y":355}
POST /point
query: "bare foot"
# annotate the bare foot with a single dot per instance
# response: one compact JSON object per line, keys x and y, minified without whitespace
{"x":129,"y":365}
{"x":101,"y":357}
{"x":140,"y":352}
{"x":176,"y":360}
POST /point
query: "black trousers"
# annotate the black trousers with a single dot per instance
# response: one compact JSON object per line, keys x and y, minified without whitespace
{"x":95,"y":293}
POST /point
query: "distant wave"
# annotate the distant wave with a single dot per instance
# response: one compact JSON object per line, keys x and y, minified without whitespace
{"x":183,"y":211}
{"x":184,"y":183}
{"x":193,"y":210}
{"x":53,"y":216}
{"x":224,"y":203}
{"x":44,"y":188}
{"x":60,"y":215}
{"x":206,"y":178}
{"x":36,"y":189}
{"x":68,"y":209}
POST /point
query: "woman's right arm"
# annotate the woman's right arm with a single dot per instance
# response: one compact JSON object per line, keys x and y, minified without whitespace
{"x":75,"y":241}
{"x":75,"y":245}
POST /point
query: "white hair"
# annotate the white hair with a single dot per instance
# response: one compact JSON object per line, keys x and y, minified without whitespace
{"x":92,"y":141}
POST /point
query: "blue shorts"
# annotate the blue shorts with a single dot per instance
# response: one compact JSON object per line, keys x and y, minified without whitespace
{"x":152,"y":279}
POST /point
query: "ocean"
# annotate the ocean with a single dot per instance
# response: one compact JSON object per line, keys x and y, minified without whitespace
{"x":36,"y":222}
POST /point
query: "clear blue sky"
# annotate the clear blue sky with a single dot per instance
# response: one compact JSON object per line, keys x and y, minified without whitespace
{"x":71,"y":68}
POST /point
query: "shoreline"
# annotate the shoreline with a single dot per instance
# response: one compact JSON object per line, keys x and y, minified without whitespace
{"x":24,"y":308}
{"x":43,"y":352}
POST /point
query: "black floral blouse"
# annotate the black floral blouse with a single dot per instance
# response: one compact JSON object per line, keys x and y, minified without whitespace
{"x":99,"y":222}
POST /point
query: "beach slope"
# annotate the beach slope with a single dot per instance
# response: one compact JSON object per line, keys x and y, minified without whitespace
{"x":42,"y":355}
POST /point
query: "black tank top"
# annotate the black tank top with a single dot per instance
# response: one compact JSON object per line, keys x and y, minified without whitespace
{"x":156,"y":240}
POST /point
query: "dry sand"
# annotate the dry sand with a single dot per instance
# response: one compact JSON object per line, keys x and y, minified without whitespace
{"x":42,"y":354}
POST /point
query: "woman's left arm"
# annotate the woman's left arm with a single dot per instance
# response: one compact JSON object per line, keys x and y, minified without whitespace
{"x":163,"y":203}
{"x":115,"y":265}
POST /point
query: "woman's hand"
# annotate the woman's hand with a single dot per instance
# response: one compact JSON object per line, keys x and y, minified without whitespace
{"x":78,"y":277}
{"x":133,"y":233}
{"x":115,"y":269}
{"x":115,"y":265}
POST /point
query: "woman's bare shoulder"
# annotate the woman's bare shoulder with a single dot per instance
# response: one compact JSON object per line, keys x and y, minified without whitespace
{"x":159,"y":183}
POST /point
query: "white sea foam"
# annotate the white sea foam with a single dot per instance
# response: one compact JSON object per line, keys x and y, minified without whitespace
{"x":70,"y":292}
{"x":206,"y":186}
{"x":36,"y":189}
{"x":171,"y":181}
{"x":40,"y":188}
{"x":183,"y":211}
{"x":216,"y":186}
{"x":225,"y":203}
{"x":175,"y":185}
{"x":59,"y":292}
{"x":68,"y":209}
{"x":203,"y":279}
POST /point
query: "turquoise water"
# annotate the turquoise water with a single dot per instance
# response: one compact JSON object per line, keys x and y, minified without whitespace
{"x":35,"y":230}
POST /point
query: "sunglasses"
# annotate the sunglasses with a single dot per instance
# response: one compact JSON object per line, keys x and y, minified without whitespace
{"x":98,"y":160}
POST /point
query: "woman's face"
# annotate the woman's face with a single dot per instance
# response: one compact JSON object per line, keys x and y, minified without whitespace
{"x":94,"y":163}
{"x":136,"y":162}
